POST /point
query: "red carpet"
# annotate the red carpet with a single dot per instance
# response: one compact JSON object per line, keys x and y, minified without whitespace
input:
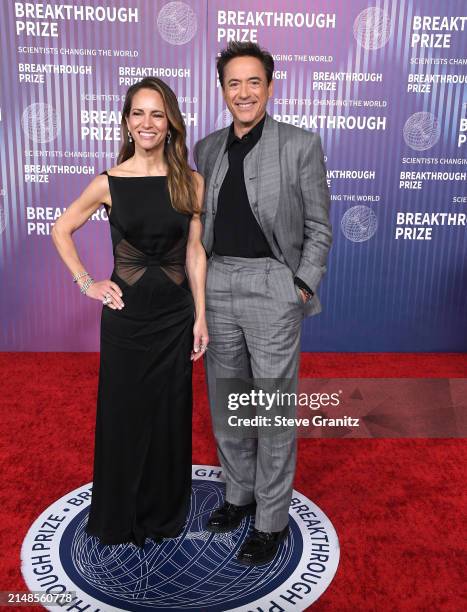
{"x":398,"y":505}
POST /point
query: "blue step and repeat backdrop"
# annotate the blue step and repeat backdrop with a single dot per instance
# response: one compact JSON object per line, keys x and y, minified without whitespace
{"x":383,"y":83}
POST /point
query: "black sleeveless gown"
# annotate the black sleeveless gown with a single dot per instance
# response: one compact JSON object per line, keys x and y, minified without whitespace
{"x":142,"y":461}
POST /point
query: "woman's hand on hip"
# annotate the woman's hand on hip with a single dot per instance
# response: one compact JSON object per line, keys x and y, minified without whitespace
{"x":108,"y":292}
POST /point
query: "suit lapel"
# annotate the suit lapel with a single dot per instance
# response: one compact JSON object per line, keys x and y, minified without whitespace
{"x":250,"y":174}
{"x":268,"y":177}
{"x":221,"y":165}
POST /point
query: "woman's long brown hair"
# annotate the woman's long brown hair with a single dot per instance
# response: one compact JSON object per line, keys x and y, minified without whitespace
{"x":180,"y":179}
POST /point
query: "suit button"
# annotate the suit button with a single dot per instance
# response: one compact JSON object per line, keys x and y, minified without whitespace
{"x":213,"y":212}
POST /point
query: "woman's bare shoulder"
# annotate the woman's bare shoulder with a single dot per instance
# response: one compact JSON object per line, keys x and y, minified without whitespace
{"x":99,"y":183}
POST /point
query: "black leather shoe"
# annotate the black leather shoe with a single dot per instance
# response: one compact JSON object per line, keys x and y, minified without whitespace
{"x":261,"y":547}
{"x":228,"y":517}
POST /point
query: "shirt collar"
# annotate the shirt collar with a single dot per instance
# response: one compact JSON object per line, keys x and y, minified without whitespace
{"x":253,"y":135}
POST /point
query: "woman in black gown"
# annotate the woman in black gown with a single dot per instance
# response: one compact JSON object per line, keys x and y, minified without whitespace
{"x":153,"y":321}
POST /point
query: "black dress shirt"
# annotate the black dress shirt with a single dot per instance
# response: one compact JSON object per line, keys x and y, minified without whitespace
{"x":236,"y":230}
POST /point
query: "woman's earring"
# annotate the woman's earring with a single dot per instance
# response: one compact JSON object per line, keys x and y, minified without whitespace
{"x":130,"y":137}
{"x":168,"y":138}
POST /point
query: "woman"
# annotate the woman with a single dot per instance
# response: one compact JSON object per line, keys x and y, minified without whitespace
{"x":152,"y":325}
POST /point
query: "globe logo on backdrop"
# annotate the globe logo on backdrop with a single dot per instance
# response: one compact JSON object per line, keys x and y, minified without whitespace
{"x":177,"y":23}
{"x":421,"y":131}
{"x":2,"y":219}
{"x":372,"y":28}
{"x":359,"y":223}
{"x":224,"y":119}
{"x":196,"y":571}
{"x":40,"y":122}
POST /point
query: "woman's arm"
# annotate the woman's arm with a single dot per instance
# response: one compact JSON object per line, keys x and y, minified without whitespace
{"x":196,"y":271}
{"x":75,"y":216}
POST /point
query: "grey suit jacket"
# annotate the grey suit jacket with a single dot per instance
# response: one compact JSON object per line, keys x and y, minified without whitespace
{"x":285,"y":179}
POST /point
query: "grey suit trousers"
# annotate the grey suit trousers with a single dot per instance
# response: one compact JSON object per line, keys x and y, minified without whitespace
{"x":254,"y":316}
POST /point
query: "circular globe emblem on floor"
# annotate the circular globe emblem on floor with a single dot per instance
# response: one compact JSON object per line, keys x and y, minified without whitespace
{"x":196,"y":571}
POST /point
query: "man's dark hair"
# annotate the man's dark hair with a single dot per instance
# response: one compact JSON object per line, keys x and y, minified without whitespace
{"x":242,"y":49}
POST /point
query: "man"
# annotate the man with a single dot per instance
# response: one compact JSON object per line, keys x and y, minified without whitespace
{"x":267,"y":232}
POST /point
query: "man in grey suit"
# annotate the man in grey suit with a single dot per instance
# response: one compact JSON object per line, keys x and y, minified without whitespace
{"x":267,"y":234}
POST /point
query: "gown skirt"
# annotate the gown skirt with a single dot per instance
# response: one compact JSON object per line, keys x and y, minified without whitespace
{"x":142,"y":461}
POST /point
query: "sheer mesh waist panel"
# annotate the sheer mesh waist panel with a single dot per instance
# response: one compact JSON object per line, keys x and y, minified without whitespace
{"x":131,"y":263}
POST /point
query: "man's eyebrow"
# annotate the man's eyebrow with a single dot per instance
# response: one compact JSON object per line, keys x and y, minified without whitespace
{"x":253,"y":78}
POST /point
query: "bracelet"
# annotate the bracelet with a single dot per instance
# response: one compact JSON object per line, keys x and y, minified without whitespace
{"x":87,"y":283}
{"x":79,"y":275}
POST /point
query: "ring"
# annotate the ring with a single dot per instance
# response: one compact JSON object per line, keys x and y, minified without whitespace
{"x":107,"y":299}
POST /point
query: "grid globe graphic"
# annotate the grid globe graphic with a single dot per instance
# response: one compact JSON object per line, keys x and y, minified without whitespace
{"x":224,"y":119}
{"x":421,"y":131}
{"x":40,"y":122}
{"x":359,"y":223}
{"x":177,"y":23}
{"x":193,"y":571}
{"x":372,"y":28}
{"x":2,"y":218}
